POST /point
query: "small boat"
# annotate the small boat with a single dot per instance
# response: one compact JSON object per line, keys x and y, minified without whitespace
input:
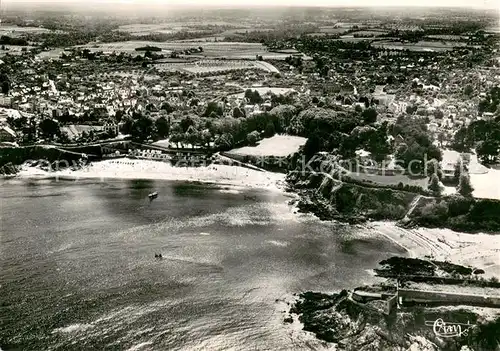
{"x":153,"y":195}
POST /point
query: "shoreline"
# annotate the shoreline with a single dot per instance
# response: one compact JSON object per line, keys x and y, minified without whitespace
{"x":443,"y":244}
{"x":480,"y":250}
{"x":125,"y":168}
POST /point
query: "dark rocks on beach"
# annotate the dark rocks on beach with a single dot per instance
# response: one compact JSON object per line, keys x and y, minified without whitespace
{"x":9,"y":169}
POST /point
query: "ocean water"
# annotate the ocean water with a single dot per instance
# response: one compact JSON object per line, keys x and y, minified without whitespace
{"x":78,"y":270}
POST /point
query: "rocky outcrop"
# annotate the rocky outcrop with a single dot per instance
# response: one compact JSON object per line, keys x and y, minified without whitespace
{"x":353,"y":324}
{"x":9,"y":169}
{"x":331,"y":199}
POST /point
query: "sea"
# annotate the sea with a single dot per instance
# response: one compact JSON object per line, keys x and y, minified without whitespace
{"x":78,"y":268}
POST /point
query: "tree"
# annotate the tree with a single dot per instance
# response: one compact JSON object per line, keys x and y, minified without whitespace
{"x":127,"y":125}
{"x":410,"y":109}
{"x":253,"y":96}
{"x":270,"y":130}
{"x":313,"y":145}
{"x":369,"y":116}
{"x":176,"y":138}
{"x":119,"y":115}
{"x":283,"y":114}
{"x":253,"y":137}
{"x":434,"y":185}
{"x":162,"y":127}
{"x":464,"y":186}
{"x":167,"y":107}
{"x":5,"y":87}
{"x":487,"y":150}
{"x":224,"y":142}
{"x":238,"y":113}
{"x":460,"y":168}
{"x":215,"y":108}
{"x":17,"y":123}
{"x":206,"y":137}
{"x":438,"y":114}
{"x":142,"y":129}
{"x":49,"y":128}
{"x":187,"y":122}
{"x":193,"y":137}
{"x":63,"y":138}
{"x":461,"y":141}
{"x":434,"y":168}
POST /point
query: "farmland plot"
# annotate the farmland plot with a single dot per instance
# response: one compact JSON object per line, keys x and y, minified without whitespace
{"x":236,"y":50}
{"x":420,"y":46}
{"x":15,"y":31}
{"x":216,"y":66}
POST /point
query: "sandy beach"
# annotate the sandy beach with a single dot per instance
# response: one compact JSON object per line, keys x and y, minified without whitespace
{"x":478,"y":250}
{"x":124,"y":168}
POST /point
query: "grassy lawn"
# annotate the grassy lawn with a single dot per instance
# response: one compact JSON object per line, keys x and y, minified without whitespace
{"x":278,"y":146}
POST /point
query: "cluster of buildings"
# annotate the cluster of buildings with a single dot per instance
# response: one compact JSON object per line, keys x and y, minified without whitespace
{"x":96,"y":94}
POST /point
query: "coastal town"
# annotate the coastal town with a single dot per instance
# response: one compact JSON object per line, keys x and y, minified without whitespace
{"x":388,"y":122}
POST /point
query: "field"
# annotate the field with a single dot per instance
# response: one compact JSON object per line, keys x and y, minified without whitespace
{"x":277,"y":146}
{"x":493,"y":29}
{"x":215,"y":66}
{"x":449,"y":37}
{"x":332,"y":30}
{"x":127,"y":47}
{"x":139,"y":29}
{"x":52,"y":54}
{"x":15,"y":31}
{"x":350,"y":38}
{"x":370,"y":32}
{"x":14,"y":50}
{"x":236,"y":50}
{"x":239,"y":33}
{"x":420,"y":46}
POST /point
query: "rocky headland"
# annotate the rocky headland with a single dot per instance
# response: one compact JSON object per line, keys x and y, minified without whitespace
{"x":374,"y":317}
{"x":354,"y":202}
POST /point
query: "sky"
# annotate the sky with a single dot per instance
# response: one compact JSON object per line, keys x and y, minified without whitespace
{"x":493,"y":4}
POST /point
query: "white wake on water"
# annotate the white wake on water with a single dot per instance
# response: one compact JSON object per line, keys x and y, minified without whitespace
{"x":72,"y":328}
{"x":277,"y":243}
{"x":139,"y":346}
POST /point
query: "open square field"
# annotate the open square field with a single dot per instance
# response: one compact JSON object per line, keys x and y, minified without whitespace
{"x":215,"y":66}
{"x":277,"y":146}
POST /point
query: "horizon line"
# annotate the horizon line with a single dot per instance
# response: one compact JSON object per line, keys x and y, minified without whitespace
{"x":486,"y":5}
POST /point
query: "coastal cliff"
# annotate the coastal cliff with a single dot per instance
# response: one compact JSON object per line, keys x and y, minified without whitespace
{"x":331,"y":199}
{"x":337,"y":318}
{"x":380,"y":317}
{"x":19,"y":155}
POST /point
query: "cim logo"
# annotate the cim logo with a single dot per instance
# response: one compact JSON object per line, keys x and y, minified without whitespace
{"x":449,"y":329}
